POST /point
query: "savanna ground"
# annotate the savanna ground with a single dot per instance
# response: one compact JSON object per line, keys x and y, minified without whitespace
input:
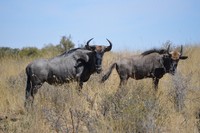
{"x":174,"y":108}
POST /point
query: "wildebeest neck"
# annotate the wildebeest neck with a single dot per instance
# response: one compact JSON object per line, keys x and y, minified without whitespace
{"x":159,"y":51}
{"x":69,"y":52}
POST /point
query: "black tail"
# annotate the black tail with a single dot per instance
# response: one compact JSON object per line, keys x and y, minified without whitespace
{"x":28,"y":91}
{"x":28,"y":87}
{"x":106,"y":76}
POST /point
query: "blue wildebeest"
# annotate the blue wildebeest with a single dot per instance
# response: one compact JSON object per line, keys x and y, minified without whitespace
{"x":150,"y":64}
{"x":73,"y":65}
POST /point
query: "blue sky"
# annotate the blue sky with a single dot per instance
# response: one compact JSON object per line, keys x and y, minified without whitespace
{"x":129,"y":24}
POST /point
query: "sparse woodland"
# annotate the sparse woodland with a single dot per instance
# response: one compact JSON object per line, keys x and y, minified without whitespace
{"x":174,"y":108}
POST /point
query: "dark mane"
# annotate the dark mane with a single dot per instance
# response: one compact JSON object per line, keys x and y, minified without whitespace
{"x":69,"y":51}
{"x":160,"y":51}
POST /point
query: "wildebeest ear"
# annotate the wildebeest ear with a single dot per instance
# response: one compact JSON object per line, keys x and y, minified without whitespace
{"x":90,"y":47}
{"x":183,"y":57}
{"x":81,"y":56}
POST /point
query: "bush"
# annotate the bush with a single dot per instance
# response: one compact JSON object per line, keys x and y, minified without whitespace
{"x":6,"y":51}
{"x":30,"y":52}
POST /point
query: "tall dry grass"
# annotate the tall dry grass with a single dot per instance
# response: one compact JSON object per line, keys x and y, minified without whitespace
{"x":174,"y":108}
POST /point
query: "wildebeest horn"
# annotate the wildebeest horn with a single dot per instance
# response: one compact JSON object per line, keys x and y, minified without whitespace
{"x":87,"y":44}
{"x":109,"y":47}
{"x":181,"y":52}
{"x":168,"y":49}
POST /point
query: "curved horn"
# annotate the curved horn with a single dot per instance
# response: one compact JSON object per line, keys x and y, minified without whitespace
{"x":87,"y":44}
{"x":108,"y":48}
{"x":181,"y":51}
{"x":168,"y":49}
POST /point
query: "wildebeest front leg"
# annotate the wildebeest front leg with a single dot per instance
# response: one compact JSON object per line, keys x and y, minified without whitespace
{"x":155,"y":82}
{"x":80,"y":86}
{"x":79,"y":70}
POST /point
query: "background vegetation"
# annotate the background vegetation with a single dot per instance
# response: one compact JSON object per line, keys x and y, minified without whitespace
{"x":101,"y":108}
{"x":49,"y":50}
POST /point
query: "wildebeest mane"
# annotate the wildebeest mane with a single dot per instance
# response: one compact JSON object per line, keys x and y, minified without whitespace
{"x":69,"y":52}
{"x":160,"y":51}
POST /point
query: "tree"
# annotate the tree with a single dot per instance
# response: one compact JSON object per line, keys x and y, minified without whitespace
{"x":167,"y":43}
{"x":66,"y":43}
{"x":50,"y":50}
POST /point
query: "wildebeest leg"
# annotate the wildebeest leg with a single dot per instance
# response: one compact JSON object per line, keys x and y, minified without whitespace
{"x":123,"y":75}
{"x":32,"y":87}
{"x":122,"y":91}
{"x":155,"y":82}
{"x":123,"y":80}
{"x":80,"y":86}
{"x":79,"y":70}
{"x":122,"y":86}
{"x":28,"y":94}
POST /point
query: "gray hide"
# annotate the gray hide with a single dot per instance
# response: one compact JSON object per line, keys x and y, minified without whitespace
{"x":74,"y":65}
{"x":150,"y":64}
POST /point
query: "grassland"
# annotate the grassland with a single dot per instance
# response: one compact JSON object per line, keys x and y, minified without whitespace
{"x":175,"y":108}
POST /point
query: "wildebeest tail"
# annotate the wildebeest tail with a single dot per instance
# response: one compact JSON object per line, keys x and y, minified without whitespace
{"x":106,"y":76}
{"x":28,"y":83}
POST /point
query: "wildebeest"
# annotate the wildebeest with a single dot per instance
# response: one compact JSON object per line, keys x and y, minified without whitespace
{"x":150,"y":64}
{"x":73,"y":65}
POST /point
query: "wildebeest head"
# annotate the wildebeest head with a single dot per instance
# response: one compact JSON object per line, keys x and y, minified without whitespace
{"x":99,"y":52}
{"x":172,"y":58}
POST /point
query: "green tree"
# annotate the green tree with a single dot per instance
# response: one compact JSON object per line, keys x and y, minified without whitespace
{"x":50,"y":50}
{"x":66,"y":43}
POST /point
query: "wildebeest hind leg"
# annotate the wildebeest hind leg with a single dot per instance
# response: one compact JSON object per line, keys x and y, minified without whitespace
{"x":31,"y":89}
{"x":121,"y":91}
{"x":123,"y":82}
{"x":28,"y":94}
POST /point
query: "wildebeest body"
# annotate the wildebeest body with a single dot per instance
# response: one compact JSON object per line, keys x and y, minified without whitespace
{"x":150,"y":64}
{"x":73,"y":65}
{"x":56,"y":70}
{"x":139,"y":66}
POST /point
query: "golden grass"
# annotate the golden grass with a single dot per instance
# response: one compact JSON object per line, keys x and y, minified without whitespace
{"x":98,"y":109}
